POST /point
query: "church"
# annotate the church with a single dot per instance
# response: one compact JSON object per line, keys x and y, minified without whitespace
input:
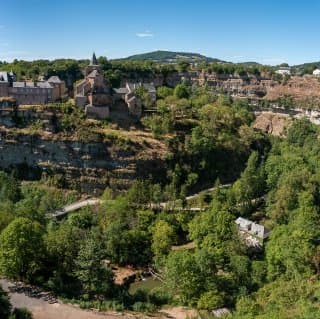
{"x":93,"y":92}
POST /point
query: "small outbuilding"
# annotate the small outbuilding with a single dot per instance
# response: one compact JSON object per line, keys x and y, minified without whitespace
{"x":316,"y":72}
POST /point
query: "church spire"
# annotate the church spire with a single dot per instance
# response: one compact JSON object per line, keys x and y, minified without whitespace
{"x":94,"y":60}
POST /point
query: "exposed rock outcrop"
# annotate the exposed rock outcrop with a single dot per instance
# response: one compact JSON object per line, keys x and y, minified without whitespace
{"x":88,"y":167}
{"x":274,"y":124}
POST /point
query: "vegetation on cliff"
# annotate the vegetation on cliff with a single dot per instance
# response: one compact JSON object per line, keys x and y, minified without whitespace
{"x":279,"y":280}
{"x":192,"y":245}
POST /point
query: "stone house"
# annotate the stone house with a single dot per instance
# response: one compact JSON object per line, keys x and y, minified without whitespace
{"x":128,"y":95}
{"x":29,"y":92}
{"x":59,"y":87}
{"x":253,"y":233}
{"x":284,"y":70}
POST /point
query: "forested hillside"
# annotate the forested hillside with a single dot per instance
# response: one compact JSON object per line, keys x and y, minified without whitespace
{"x":172,"y":57}
{"x":193,"y":247}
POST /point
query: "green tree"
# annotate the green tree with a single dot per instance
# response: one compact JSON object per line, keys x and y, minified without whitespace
{"x":210,"y":300}
{"x":9,"y":188}
{"x":5,"y":306}
{"x":95,"y":277}
{"x":162,"y":239}
{"x":251,"y":184}
{"x":183,"y":66}
{"x":163,"y":92}
{"x":21,"y":249}
{"x":302,"y":131}
{"x":21,"y":313}
{"x":62,"y":245}
{"x":182,"y":91}
{"x":183,"y":277}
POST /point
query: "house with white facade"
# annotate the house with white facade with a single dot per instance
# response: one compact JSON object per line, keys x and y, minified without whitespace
{"x":253,"y":233}
{"x":316,"y":72}
{"x":284,"y":70}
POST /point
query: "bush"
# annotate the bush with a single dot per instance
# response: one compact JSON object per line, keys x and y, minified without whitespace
{"x":21,"y":313}
{"x":159,"y":297}
{"x":210,"y":300}
{"x":182,"y":91}
{"x":144,"y":307}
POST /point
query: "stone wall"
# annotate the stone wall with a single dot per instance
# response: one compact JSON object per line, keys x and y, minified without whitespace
{"x":12,"y":117}
{"x":87,"y":167}
{"x":97,"y":112}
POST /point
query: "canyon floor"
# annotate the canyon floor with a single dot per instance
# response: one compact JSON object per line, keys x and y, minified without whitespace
{"x":41,"y":309}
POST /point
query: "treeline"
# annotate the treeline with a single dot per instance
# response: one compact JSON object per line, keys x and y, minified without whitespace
{"x":71,"y":70}
{"x":240,"y":69}
{"x":68,"y":70}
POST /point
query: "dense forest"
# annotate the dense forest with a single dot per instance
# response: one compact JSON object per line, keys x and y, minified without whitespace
{"x":199,"y":256}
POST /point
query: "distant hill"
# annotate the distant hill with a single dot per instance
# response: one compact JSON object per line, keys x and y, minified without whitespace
{"x":249,"y":63}
{"x":306,"y":68}
{"x":172,"y":57}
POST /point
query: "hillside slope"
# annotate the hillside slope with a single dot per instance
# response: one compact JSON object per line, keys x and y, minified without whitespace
{"x":170,"y":56}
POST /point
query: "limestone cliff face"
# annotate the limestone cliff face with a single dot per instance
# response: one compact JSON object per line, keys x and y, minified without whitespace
{"x":87,"y":167}
{"x":248,"y":86}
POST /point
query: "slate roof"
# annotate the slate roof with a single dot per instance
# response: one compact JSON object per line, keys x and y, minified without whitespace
{"x":41,"y":85}
{"x":243,"y":223}
{"x":121,"y":91}
{"x":44,"y":85}
{"x":18,"y":84}
{"x":132,"y":99}
{"x":149,"y":87}
{"x":131,"y":86}
{"x":252,"y":228}
{"x":93,"y":74}
{"x":54,"y":79}
{"x":4,"y":76}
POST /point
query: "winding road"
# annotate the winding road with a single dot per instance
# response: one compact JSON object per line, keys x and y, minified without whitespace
{"x":65,"y":210}
{"x":73,"y":207}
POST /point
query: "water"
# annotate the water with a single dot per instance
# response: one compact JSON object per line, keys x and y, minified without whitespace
{"x":148,"y":284}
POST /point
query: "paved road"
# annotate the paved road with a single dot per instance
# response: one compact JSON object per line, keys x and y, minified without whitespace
{"x":73,"y":207}
{"x":208,"y":190}
{"x":95,"y":201}
{"x":171,"y":205}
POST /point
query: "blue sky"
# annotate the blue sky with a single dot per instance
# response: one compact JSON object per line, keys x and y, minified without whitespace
{"x":269,"y":32}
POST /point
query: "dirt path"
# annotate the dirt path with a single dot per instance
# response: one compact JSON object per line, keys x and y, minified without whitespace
{"x":43,"y":310}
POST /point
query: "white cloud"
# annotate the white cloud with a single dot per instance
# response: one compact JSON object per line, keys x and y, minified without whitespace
{"x":145,"y":34}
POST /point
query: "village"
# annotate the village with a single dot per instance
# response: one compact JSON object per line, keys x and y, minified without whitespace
{"x":121,"y":177}
{"x":93,"y":93}
{"x":99,"y":99}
